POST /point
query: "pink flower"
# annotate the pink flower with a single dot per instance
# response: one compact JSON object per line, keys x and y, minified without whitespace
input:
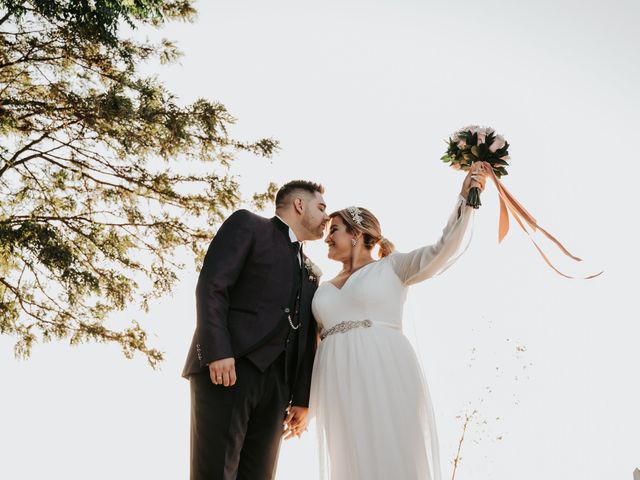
{"x":462,"y":144}
{"x":497,"y":144}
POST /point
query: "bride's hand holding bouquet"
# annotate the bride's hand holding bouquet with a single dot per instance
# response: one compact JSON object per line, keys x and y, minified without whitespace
{"x":476,"y":178}
{"x":483,"y":153}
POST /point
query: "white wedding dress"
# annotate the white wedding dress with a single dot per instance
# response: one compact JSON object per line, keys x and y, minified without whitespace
{"x":369,"y":398}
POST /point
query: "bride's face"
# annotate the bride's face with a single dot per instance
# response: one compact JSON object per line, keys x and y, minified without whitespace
{"x":339,"y":240}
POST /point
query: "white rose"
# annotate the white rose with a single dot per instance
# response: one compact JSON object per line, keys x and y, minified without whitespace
{"x":497,"y":144}
{"x":470,"y":128}
{"x":312,"y":269}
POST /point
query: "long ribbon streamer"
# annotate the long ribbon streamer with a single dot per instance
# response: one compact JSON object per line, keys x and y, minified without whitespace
{"x":508,"y":203}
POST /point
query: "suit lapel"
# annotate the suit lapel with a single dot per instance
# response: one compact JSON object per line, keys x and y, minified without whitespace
{"x":306,"y":294}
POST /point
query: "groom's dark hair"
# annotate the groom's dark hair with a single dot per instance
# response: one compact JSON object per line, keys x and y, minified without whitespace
{"x":288,"y":188}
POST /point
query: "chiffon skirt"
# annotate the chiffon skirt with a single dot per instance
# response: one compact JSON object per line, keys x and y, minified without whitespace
{"x":372,"y":408}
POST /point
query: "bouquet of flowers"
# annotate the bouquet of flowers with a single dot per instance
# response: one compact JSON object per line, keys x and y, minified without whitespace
{"x":477,"y":144}
{"x":480,"y":148}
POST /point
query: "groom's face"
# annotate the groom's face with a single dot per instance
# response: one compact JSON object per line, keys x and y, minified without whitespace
{"x":314,"y":217}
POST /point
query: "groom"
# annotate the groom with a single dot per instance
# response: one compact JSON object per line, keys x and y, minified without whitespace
{"x":252,"y":353}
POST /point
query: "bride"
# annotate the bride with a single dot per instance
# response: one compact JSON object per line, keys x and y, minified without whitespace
{"x":372,"y":407}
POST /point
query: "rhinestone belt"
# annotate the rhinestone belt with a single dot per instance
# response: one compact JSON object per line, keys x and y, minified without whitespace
{"x":345,"y":327}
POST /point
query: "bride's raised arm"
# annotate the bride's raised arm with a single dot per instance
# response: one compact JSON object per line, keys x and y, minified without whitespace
{"x":426,"y":262}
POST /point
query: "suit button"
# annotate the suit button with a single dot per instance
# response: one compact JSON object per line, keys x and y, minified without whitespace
{"x":287,"y":310}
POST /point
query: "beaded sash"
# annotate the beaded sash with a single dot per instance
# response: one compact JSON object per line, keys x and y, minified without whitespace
{"x":345,"y":327}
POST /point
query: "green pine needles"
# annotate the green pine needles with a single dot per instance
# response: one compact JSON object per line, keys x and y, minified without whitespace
{"x":104,"y":176}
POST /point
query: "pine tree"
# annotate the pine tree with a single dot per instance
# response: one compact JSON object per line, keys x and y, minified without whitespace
{"x":104,"y":176}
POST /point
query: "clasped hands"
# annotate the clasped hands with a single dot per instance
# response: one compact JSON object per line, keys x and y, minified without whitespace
{"x":295,"y":423}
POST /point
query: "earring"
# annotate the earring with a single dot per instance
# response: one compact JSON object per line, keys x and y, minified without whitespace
{"x":354,"y":242}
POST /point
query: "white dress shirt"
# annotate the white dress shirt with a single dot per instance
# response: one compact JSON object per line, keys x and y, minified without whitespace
{"x":292,"y":236}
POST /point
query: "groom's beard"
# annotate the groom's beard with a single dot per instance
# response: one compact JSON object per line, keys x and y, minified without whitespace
{"x":315,"y":231}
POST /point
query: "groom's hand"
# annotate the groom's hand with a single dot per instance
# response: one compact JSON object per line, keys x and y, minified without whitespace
{"x":296,"y":422}
{"x":223,"y":372}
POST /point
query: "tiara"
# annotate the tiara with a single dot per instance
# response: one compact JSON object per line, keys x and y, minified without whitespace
{"x":355,"y":215}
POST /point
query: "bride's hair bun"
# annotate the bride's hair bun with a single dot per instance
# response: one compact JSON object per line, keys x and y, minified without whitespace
{"x":386,"y":247}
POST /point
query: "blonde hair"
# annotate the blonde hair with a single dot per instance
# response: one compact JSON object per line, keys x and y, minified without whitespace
{"x":369,"y":226}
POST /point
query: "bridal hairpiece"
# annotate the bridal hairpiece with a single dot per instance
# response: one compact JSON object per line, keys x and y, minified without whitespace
{"x":355,"y":215}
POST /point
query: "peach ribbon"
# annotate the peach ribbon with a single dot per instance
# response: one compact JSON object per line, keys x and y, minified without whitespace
{"x":508,"y":203}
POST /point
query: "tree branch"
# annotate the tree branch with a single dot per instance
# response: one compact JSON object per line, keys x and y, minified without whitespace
{"x":6,"y":17}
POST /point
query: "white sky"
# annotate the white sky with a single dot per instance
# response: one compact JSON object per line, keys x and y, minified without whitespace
{"x":361,"y":96}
